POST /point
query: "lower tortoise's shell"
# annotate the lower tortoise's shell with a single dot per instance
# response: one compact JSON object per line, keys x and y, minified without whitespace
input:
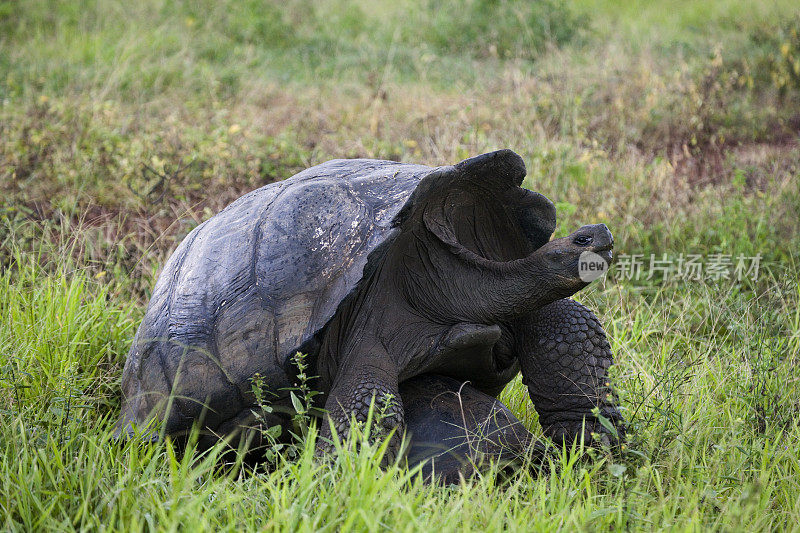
{"x":251,"y":286}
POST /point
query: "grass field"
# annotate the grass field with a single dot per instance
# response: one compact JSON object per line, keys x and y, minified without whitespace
{"x":123,"y":126}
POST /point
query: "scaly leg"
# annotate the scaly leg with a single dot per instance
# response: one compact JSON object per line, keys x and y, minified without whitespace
{"x":354,"y":390}
{"x":565,"y":356}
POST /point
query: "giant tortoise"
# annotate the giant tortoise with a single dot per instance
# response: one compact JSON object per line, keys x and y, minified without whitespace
{"x":379,"y":272}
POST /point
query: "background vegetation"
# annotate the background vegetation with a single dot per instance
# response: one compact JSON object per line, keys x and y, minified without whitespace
{"x":124,"y":125}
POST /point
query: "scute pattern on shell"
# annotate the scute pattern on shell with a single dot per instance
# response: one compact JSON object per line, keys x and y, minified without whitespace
{"x":253,"y":284}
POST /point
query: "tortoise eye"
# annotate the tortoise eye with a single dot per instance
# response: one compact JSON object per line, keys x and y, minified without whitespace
{"x":582,"y":240}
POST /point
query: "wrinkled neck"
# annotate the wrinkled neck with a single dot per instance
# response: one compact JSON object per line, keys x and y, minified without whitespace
{"x":449,"y":282}
{"x":524,"y":285}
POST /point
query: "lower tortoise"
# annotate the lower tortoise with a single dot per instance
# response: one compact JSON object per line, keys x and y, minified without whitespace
{"x":380,"y":272}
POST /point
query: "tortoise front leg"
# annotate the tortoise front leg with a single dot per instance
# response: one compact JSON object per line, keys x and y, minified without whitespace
{"x":565,"y":356}
{"x":355,"y":389}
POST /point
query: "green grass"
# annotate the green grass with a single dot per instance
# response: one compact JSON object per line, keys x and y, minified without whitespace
{"x":707,"y":377}
{"x":122,"y":127}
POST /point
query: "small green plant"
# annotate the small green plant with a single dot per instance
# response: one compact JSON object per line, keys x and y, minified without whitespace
{"x":270,"y":432}
{"x":302,"y":398}
{"x":301,"y":418}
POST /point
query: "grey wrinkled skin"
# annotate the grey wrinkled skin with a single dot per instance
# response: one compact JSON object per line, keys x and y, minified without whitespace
{"x":454,"y":430}
{"x":380,"y":272}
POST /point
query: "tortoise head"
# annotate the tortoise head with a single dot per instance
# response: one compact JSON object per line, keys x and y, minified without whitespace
{"x":572,"y":262}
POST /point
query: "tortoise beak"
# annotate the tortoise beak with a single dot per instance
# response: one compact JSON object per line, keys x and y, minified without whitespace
{"x":602,"y":241}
